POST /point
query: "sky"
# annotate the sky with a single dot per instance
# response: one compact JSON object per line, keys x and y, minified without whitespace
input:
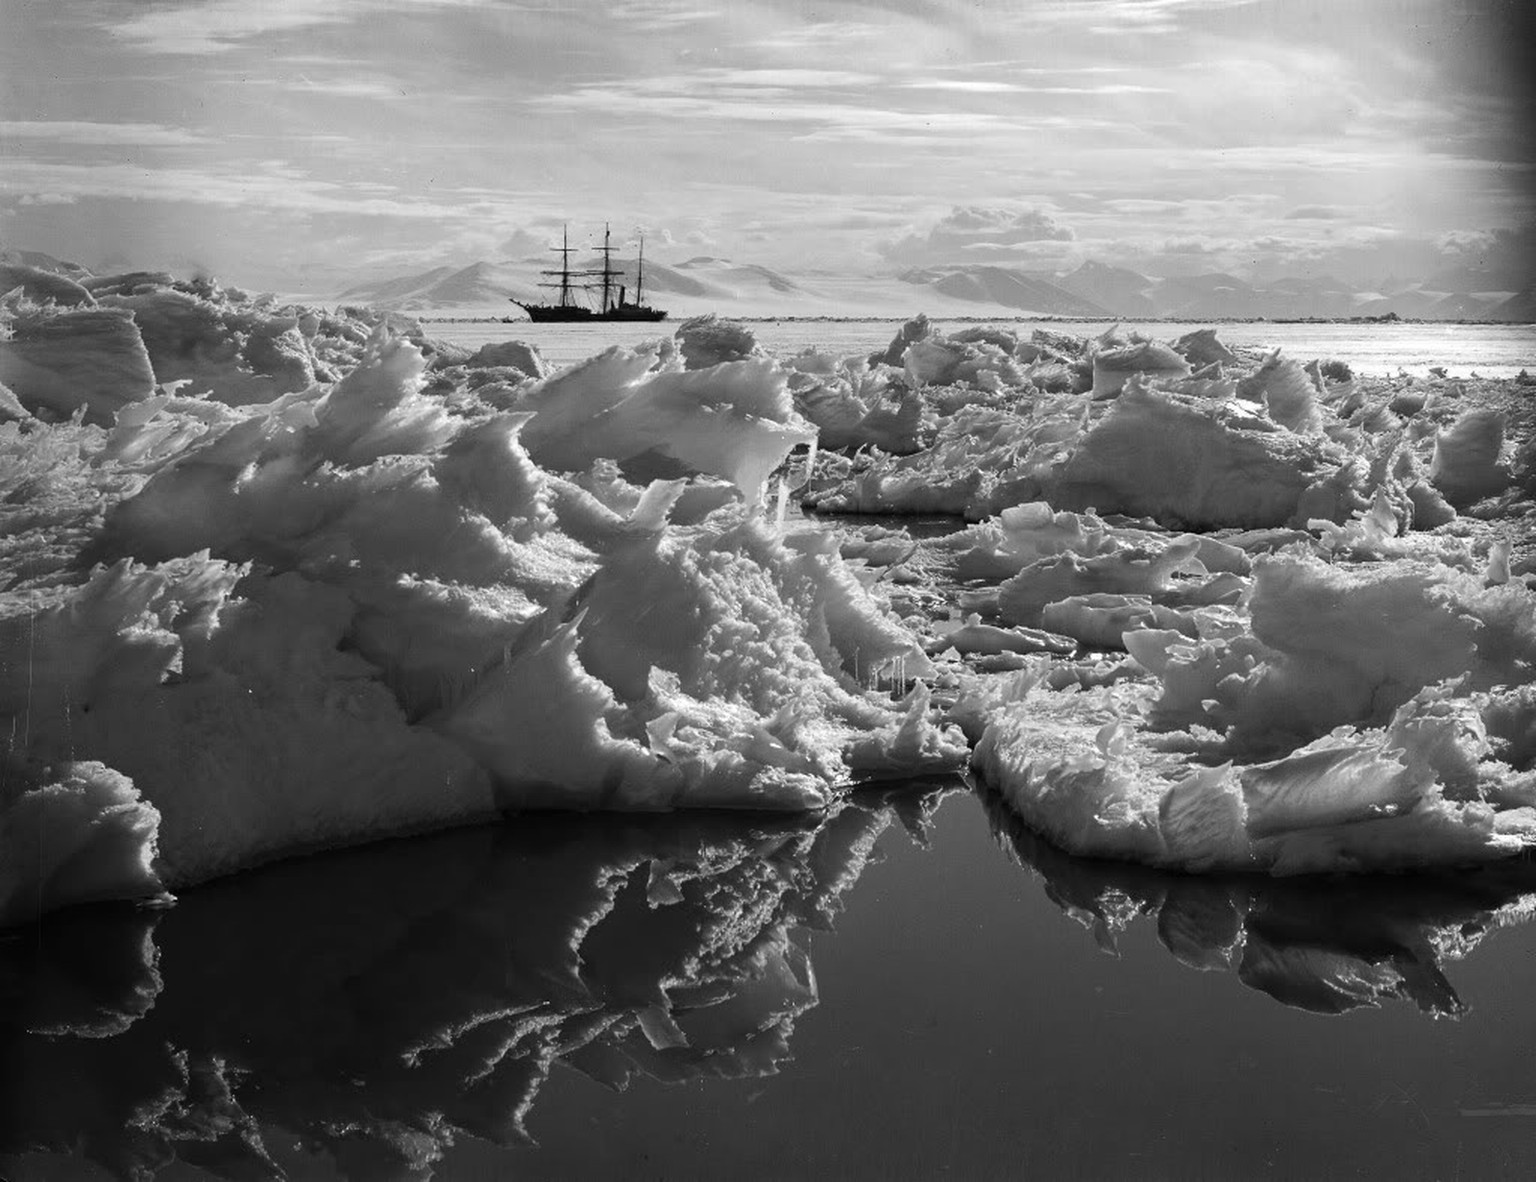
{"x":301,"y":144}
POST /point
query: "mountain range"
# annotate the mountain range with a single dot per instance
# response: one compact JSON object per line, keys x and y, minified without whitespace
{"x":1093,"y":290}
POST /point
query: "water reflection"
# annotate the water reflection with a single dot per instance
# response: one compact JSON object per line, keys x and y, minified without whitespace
{"x":1326,"y":945}
{"x":383,"y":1001}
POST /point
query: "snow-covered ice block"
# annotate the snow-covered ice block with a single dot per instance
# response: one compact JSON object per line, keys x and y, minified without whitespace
{"x":734,"y":420}
{"x":721,"y":669}
{"x":42,"y":287}
{"x":82,"y":835}
{"x":1284,"y":388}
{"x":1197,"y":463}
{"x":1465,"y":466}
{"x":237,"y":351}
{"x":1112,"y":368}
{"x":1420,"y":793}
{"x":1139,"y":571}
{"x":68,"y":359}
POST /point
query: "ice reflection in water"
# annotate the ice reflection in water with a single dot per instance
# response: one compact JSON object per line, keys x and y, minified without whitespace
{"x":381,"y":1002}
{"x":386,"y":1002}
{"x":1327,"y":945}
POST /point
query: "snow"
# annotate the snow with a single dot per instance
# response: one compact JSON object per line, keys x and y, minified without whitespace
{"x":276,"y":579}
{"x":355,"y":609}
{"x":1374,"y":683}
{"x":65,"y":359}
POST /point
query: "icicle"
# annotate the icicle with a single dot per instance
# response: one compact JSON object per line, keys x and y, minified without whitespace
{"x":781,"y":506}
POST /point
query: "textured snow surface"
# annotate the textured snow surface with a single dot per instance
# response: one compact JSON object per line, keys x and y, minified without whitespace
{"x":274,"y":579}
{"x":233,"y":630}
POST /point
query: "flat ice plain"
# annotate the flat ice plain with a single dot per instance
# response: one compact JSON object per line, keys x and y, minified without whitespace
{"x":278,"y":579}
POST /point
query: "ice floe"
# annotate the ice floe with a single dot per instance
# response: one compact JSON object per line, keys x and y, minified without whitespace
{"x":275,"y":578}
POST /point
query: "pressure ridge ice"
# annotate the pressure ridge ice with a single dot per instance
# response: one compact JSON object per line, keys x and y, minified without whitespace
{"x":357,"y":608}
{"x":277,"y":579}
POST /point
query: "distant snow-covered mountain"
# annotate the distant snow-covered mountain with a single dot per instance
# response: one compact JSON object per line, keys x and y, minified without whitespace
{"x":1118,"y":290}
{"x":1017,"y":291}
{"x":491,"y":285}
{"x":476,"y":285}
{"x":1093,"y":290}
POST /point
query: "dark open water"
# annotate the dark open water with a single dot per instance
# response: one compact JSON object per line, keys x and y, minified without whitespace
{"x":774,"y":1004}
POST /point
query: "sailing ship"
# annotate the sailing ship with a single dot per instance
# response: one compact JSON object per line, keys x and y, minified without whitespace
{"x":604,"y":282}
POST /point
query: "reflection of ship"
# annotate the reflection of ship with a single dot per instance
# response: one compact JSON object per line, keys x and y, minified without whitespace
{"x":604,"y":282}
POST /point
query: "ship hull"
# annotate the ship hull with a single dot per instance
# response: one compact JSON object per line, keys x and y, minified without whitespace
{"x":555,"y":314}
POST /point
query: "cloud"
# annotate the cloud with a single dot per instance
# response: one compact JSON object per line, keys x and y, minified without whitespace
{"x":981,"y":86}
{"x":264,"y":185}
{"x":61,"y":131}
{"x":662,"y":15}
{"x":221,"y":25}
{"x":980,"y":232}
{"x":1110,"y":17}
{"x":1316,"y":213}
{"x":1199,"y":246}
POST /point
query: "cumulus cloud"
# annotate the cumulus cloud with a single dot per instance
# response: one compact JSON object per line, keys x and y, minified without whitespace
{"x":980,"y":233}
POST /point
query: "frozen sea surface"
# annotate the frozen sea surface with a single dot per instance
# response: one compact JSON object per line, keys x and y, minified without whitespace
{"x":1490,"y":350}
{"x":983,"y":1007}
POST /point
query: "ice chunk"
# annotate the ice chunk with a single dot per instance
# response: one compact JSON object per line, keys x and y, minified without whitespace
{"x":1023,"y":534}
{"x":847,"y":413}
{"x":975,"y":637}
{"x":1466,"y":463}
{"x":1201,"y":464}
{"x":734,"y":420}
{"x":69,"y":359}
{"x":233,"y":348}
{"x":43,"y":287}
{"x":1112,"y":368}
{"x":1283,"y":387}
{"x":516,"y":355}
{"x":1352,"y":802}
{"x":1102,"y":620}
{"x":914,"y":330}
{"x":694,"y":646}
{"x":1201,"y":348}
{"x":237,"y":718}
{"x":1022,"y":598}
{"x":84,"y":834}
{"x":707,"y":341}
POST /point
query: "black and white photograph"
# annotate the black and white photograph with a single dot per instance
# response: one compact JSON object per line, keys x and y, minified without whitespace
{"x":767,"y":589}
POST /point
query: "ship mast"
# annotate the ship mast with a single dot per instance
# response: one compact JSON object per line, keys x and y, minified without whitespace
{"x":564,"y":250}
{"x":640,"y":275}
{"x":608,"y":271}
